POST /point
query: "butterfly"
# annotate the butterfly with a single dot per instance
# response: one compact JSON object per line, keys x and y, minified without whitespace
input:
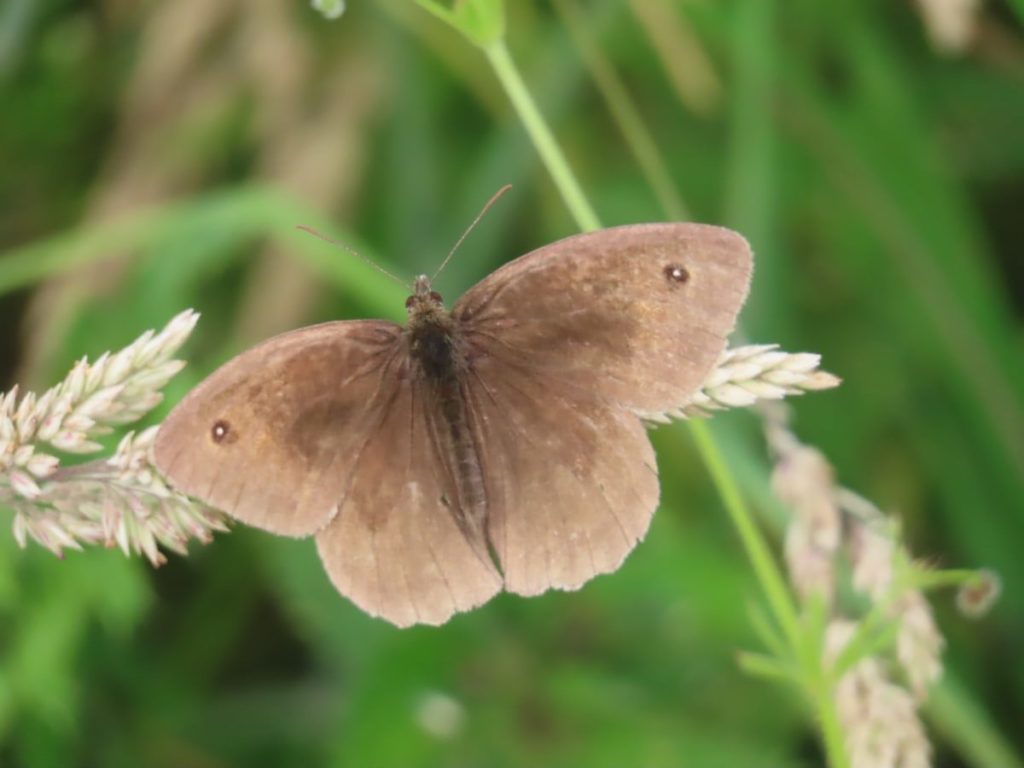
{"x":500,"y":444}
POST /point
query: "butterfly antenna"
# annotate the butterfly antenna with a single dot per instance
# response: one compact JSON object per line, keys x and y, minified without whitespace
{"x":492,"y":201}
{"x":353,"y":251}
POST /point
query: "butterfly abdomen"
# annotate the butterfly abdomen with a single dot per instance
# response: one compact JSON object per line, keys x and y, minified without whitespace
{"x":440,"y":365}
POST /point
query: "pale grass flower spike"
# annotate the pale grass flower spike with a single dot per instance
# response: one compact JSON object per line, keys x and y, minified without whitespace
{"x":879,"y":717}
{"x":118,"y":501}
{"x":755,"y":372}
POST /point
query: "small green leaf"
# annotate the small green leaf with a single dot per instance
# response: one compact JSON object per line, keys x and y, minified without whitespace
{"x":865,"y":644}
{"x":767,"y":630}
{"x":767,"y":667}
{"x":481,"y":21}
{"x":443,"y":13}
{"x":815,"y":622}
{"x":919,"y":577}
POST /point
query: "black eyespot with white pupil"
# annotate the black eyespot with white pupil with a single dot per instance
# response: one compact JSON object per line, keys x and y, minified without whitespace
{"x":220,"y":431}
{"x":676,"y":273}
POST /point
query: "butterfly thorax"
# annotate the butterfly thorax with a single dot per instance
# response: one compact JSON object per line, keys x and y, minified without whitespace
{"x":431,"y":336}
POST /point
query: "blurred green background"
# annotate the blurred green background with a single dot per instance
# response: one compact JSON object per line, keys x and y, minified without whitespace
{"x":158,"y":156}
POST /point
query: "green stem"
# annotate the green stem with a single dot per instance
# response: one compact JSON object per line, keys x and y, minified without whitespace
{"x":958,"y":577}
{"x":541,"y":136}
{"x":831,"y":729}
{"x":867,"y":630}
{"x":765,"y":568}
{"x":625,"y":112}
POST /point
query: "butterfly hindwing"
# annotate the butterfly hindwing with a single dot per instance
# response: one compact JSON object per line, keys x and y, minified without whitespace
{"x":571,"y":484}
{"x":395,"y":547}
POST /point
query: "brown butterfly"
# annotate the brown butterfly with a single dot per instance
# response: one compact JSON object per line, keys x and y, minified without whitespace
{"x":500,"y":444}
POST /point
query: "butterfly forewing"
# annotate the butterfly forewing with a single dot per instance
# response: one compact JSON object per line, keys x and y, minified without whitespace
{"x":269,"y":437}
{"x":636,"y":314}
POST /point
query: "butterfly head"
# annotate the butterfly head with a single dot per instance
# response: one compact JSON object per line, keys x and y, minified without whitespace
{"x":424,"y":300}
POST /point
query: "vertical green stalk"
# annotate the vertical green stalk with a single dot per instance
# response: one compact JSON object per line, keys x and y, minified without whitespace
{"x":765,"y":568}
{"x":831,"y":729}
{"x":625,"y":112}
{"x":541,"y":136}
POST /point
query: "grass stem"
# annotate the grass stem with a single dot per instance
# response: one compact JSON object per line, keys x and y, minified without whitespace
{"x":541,"y":136}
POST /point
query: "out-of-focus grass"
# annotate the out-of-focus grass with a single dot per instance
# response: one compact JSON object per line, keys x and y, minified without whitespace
{"x":878,"y":181}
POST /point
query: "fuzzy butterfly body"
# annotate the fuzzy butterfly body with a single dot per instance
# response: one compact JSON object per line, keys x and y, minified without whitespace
{"x":498,"y":445}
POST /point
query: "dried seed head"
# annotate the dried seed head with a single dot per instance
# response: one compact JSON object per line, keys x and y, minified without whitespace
{"x":977,"y":597}
{"x":918,"y":644}
{"x":803,"y":479}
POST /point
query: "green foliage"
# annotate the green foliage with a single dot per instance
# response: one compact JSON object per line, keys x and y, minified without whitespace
{"x":878,"y":180}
